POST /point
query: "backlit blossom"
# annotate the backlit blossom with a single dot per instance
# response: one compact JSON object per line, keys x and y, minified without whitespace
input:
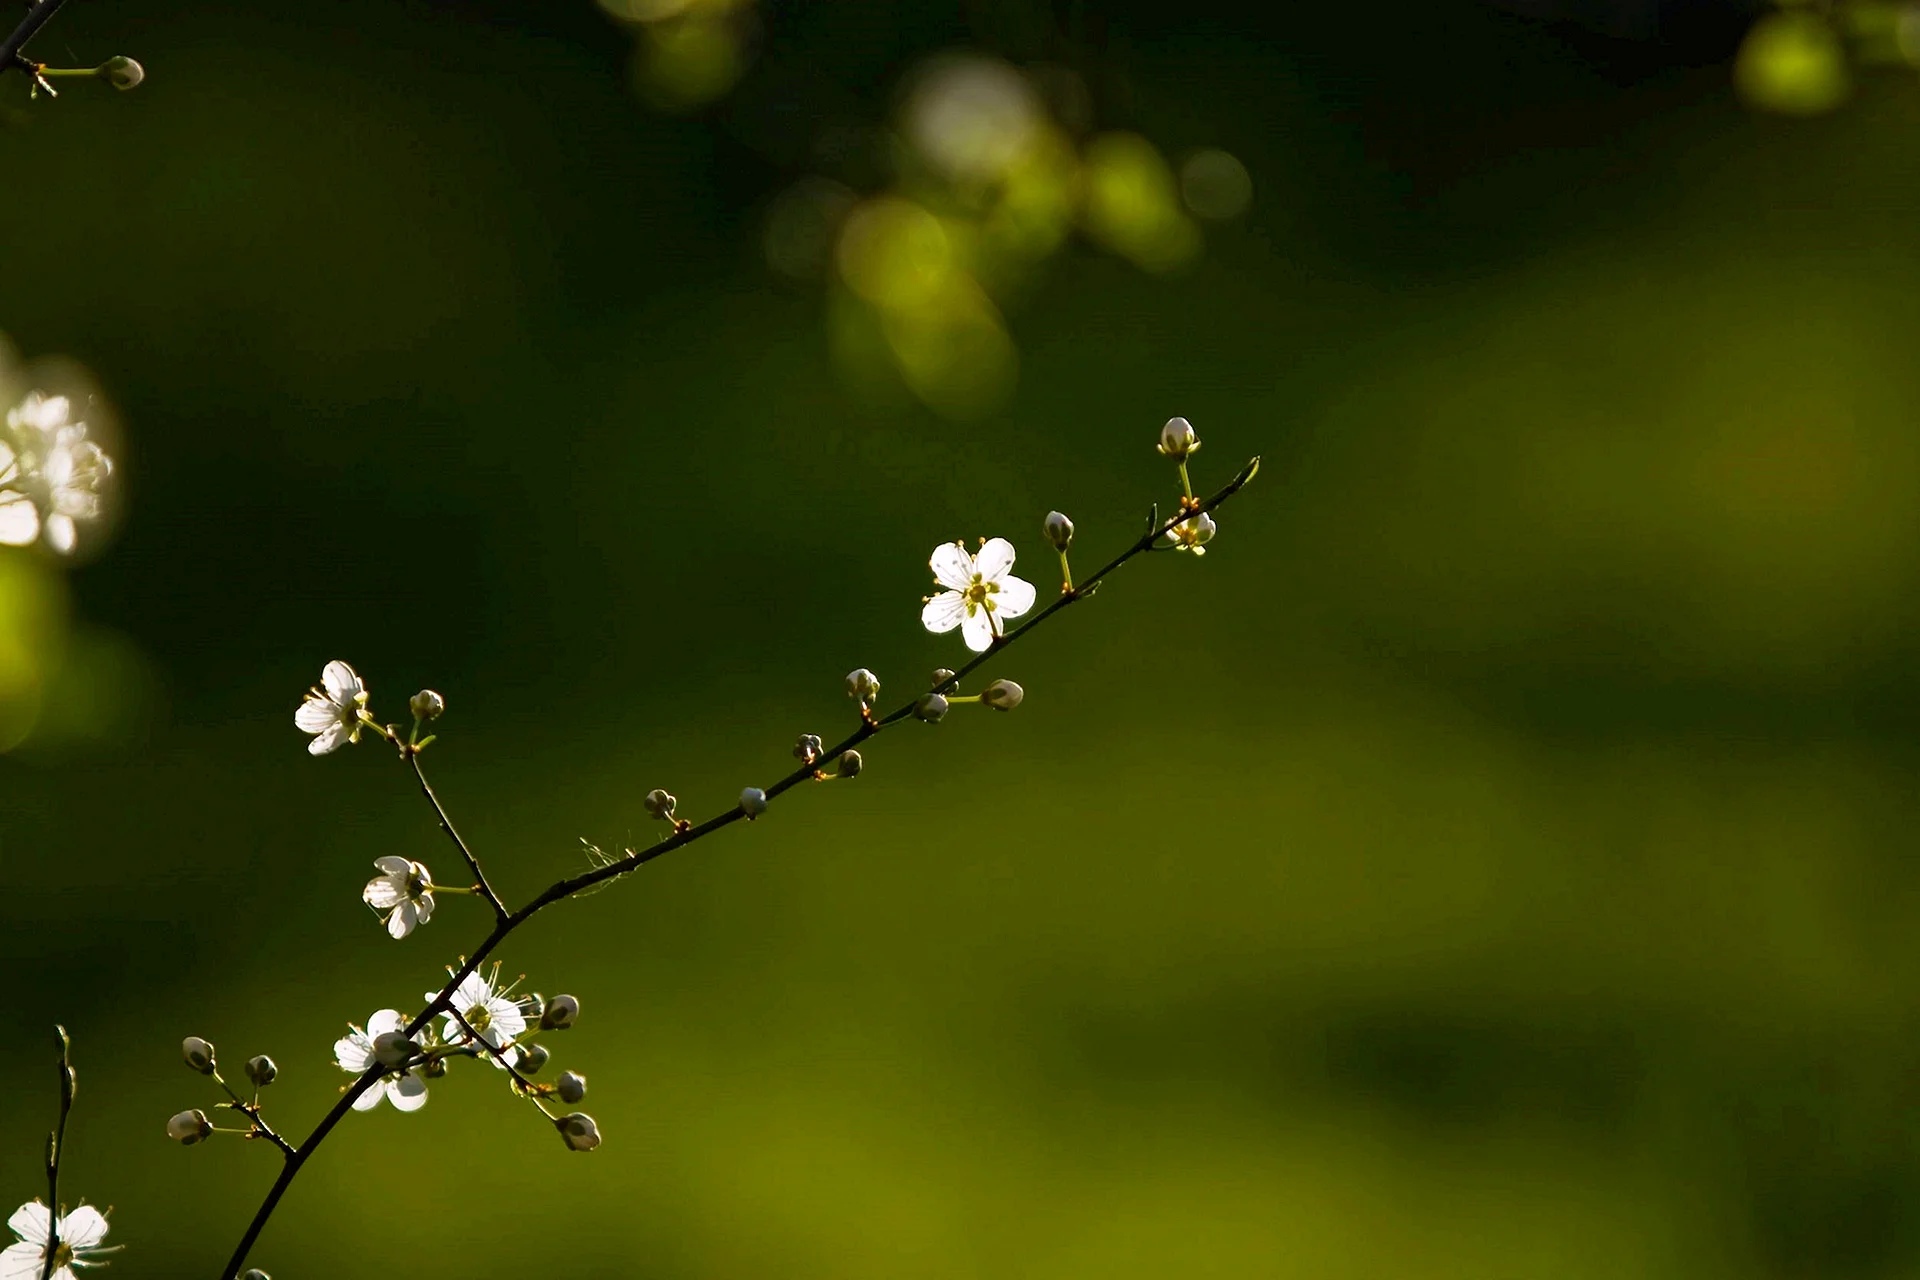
{"x":1192,"y":534}
{"x":489,"y":1008}
{"x":354,"y":1054}
{"x":50,"y":473}
{"x":403,"y":891}
{"x":80,"y":1233}
{"x":981,"y":592}
{"x":332,"y":713}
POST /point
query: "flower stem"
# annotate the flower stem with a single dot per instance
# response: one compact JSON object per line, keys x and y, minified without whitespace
{"x":446,"y":824}
{"x":56,"y":1147}
{"x":683,"y":834}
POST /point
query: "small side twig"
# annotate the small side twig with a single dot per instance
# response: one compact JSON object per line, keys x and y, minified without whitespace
{"x":500,"y":912}
{"x":37,"y":17}
{"x":56,"y":1147}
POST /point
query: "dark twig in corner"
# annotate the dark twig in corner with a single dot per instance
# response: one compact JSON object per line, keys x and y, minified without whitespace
{"x":37,"y":16}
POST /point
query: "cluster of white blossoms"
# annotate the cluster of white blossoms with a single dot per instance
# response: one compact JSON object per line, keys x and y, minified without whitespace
{"x":51,"y":475}
{"x":77,"y":1236}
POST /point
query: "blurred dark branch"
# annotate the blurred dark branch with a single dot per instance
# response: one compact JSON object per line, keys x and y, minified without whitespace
{"x":682,"y":836}
{"x":37,"y":16}
{"x":56,"y":1147}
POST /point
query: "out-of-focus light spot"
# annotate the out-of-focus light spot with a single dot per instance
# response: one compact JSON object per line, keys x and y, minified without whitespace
{"x":1034,"y":208}
{"x":1907,"y":33}
{"x":801,"y":225}
{"x":690,"y":60}
{"x":33,"y":625}
{"x":1130,"y":204}
{"x":1792,"y":63}
{"x":971,"y":118}
{"x":1215,"y":185}
{"x":894,"y":253}
{"x":954,"y":351}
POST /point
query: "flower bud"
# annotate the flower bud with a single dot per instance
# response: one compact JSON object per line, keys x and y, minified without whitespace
{"x":863,"y":684}
{"x":393,"y":1048}
{"x":940,"y":676}
{"x":532,"y":1005}
{"x":1177,"y":439}
{"x":850,"y":764}
{"x":1003,"y":695}
{"x":660,"y":804}
{"x":807,"y":749}
{"x":1059,"y":530}
{"x":433,"y":1068}
{"x":571,"y":1086}
{"x":562,"y":1012}
{"x":261,"y":1070}
{"x":578,"y":1131}
{"x":121,"y":72}
{"x":255,"y":1273}
{"x":427,"y":705}
{"x":198,"y":1054}
{"x":932,"y":708}
{"x":189,"y":1127}
{"x":533,"y":1058}
{"x":753,"y":802}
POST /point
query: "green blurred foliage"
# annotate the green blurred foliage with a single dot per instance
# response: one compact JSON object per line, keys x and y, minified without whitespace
{"x":1491,"y":860}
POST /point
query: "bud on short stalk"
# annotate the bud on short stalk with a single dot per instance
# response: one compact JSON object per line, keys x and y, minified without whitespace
{"x":863,"y":684}
{"x":571,"y":1086}
{"x":940,"y":677}
{"x":578,"y":1131}
{"x":198,"y":1054}
{"x":1003,"y":695}
{"x":807,"y":749}
{"x":850,"y":764}
{"x":660,"y":804}
{"x":1059,"y":530}
{"x":533,"y":1059}
{"x":753,"y":802}
{"x":1177,"y":439}
{"x":932,"y":708}
{"x":427,"y":705}
{"x":255,"y":1273}
{"x":261,"y":1070}
{"x":562,"y":1012}
{"x":189,"y":1127}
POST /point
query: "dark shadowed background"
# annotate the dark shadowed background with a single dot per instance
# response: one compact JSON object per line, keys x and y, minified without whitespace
{"x":1492,"y":860}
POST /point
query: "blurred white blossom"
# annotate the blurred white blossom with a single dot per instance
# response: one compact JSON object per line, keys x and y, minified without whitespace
{"x":80,"y":1234}
{"x":50,"y":474}
{"x":980,"y":592}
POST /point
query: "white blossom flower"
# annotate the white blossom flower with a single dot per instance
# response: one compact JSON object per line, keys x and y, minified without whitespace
{"x":404,"y":891}
{"x":980,"y":592}
{"x":354,"y":1054}
{"x":50,"y":473}
{"x":489,"y":1008}
{"x":332,"y":714}
{"x":1193,"y":533}
{"x":80,"y":1233}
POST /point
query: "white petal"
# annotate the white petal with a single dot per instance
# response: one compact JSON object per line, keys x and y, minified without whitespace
{"x":977,"y":630}
{"x":952,"y":566}
{"x":343,"y":686}
{"x":473,"y":990}
{"x":331,"y":739}
{"x":401,"y":919}
{"x":353,"y":1054}
{"x":371,"y":1098}
{"x":22,"y":1261}
{"x":409,"y":1093}
{"x":382,"y":894}
{"x":394,"y":866}
{"x":1014,"y":598}
{"x":424,"y":905}
{"x":507,"y":1020}
{"x":59,"y":533}
{"x":19,"y":523}
{"x":943,"y":612}
{"x":84,"y":1227}
{"x":384,"y":1021}
{"x":66,"y":1273}
{"x":316,"y":715}
{"x":994,"y":560}
{"x":30,"y":1222}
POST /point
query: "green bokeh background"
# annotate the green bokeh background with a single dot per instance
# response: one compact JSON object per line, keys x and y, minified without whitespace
{"x":1493,"y":860}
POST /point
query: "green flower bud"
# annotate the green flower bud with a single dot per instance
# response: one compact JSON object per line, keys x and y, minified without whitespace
{"x":1059,"y":530}
{"x":578,"y":1131}
{"x":1003,"y":695}
{"x":121,"y":72}
{"x":198,"y":1055}
{"x":851,"y":764}
{"x":255,"y":1273}
{"x":863,"y":684}
{"x":660,"y":804}
{"x":1177,"y":439}
{"x":571,"y":1086}
{"x":753,"y":802}
{"x":932,"y":708}
{"x":533,"y":1059}
{"x":427,"y":705}
{"x":940,"y":676}
{"x":189,"y":1127}
{"x":261,"y":1071}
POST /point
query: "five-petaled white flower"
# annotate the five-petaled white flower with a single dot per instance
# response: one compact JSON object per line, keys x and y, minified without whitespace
{"x":50,"y":473}
{"x":489,"y":1008}
{"x":354,"y":1054}
{"x":1192,"y":534}
{"x":404,"y":891}
{"x":980,"y":592}
{"x":332,"y":714}
{"x":80,"y":1233}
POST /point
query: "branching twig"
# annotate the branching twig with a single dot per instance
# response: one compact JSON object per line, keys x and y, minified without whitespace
{"x":500,"y":912}
{"x":506,"y":922}
{"x":37,"y":16}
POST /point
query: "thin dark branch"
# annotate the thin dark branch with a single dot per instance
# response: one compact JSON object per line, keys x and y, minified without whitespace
{"x":30,"y":25}
{"x":251,"y":1110}
{"x":506,"y":922}
{"x":446,"y":825}
{"x":57,"y":1147}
